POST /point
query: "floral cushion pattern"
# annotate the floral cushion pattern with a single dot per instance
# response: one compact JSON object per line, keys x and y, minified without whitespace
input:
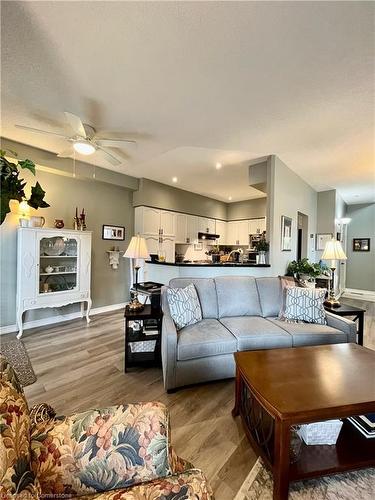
{"x":190,"y":485}
{"x":16,"y":476}
{"x":101,"y":450}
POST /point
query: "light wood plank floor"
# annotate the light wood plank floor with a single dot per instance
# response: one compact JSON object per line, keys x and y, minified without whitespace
{"x":80,"y":366}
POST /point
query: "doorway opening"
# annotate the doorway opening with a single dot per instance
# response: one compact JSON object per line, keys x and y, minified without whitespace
{"x":302,"y":235}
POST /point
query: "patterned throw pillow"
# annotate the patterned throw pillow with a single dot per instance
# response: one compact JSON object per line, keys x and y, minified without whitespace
{"x":305,"y":305}
{"x":184,"y":306}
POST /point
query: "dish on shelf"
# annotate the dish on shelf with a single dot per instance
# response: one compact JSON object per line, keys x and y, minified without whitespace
{"x":52,"y":246}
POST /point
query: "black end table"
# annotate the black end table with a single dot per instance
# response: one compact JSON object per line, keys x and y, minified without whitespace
{"x":131,"y":335}
{"x":356,"y":312}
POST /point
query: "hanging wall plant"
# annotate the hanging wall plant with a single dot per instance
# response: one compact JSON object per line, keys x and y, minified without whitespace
{"x":12,"y":187}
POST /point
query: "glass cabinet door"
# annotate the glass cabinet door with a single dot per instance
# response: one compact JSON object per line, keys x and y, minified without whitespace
{"x":58,"y":264}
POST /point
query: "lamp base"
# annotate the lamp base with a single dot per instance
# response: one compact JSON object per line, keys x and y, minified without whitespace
{"x":332,"y":302}
{"x":135,"y":305}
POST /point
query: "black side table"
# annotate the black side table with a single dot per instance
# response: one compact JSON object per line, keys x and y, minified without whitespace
{"x":356,"y":312}
{"x":131,"y":335}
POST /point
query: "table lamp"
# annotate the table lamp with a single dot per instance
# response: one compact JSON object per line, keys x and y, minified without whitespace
{"x":137,"y":249}
{"x":333,"y":251}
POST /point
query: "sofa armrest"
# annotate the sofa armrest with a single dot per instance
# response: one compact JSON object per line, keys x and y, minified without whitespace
{"x":168,"y":344}
{"x":345,"y":325}
{"x":102,"y":449}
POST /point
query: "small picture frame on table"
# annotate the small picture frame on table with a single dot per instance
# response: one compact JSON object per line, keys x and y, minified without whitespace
{"x":361,"y":244}
{"x":113,"y":233}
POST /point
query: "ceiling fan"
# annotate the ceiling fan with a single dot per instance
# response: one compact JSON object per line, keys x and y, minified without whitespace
{"x":84,"y":139}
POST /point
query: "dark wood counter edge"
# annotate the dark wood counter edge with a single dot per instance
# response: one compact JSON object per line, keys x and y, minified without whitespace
{"x":197,"y":264}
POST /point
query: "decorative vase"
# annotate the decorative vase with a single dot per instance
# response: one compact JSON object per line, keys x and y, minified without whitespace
{"x":262,"y":257}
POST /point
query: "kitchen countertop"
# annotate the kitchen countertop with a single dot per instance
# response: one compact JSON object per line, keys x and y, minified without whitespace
{"x":207,"y":264}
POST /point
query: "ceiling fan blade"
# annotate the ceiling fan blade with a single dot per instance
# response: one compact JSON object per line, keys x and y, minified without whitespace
{"x":110,"y":157}
{"x":38,"y":131}
{"x":67,"y":153}
{"x":114,"y":143}
{"x":76,"y":124}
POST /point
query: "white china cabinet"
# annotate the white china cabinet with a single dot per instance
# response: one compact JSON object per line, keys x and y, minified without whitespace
{"x":53,"y":270}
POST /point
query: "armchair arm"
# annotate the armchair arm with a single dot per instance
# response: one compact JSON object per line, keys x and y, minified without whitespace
{"x":168,"y":344}
{"x":345,"y":325}
{"x":99,"y":450}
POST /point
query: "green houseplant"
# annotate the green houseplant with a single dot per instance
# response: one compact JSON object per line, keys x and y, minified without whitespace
{"x":262,"y":246}
{"x":13,"y":188}
{"x":303,"y":269}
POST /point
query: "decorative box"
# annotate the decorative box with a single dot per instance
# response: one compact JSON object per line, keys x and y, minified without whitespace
{"x":143,"y":346}
{"x":325,"y":432}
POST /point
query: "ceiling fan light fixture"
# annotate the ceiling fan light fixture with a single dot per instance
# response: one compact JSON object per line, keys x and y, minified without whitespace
{"x":84,"y":147}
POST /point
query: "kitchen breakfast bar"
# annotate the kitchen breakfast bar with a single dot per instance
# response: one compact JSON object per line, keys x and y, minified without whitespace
{"x":163,"y":272}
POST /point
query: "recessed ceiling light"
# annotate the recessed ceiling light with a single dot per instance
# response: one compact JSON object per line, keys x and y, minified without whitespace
{"x":229,"y":198}
{"x":84,"y":147}
{"x":174,"y":179}
{"x":218,"y":166}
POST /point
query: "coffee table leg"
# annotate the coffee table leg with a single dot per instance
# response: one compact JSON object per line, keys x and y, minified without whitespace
{"x":281,"y":461}
{"x":360,"y":328}
{"x":236,"y":409}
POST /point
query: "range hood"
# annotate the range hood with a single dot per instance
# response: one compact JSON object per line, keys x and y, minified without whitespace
{"x":208,"y":236}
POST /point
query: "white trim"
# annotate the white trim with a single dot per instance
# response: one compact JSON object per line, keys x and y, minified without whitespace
{"x":36,"y":323}
{"x":352,"y":293}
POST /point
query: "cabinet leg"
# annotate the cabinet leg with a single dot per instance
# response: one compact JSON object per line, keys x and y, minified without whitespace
{"x":89,"y":304}
{"x":82,"y":309}
{"x":19,"y":324}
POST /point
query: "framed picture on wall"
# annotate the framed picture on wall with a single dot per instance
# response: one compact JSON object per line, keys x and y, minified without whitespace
{"x":321,"y":240}
{"x":113,"y":233}
{"x":286,"y":233}
{"x":361,"y":244}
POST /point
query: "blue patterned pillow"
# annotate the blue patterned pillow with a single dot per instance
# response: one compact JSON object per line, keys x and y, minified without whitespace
{"x":184,"y":306}
{"x":305,"y":305}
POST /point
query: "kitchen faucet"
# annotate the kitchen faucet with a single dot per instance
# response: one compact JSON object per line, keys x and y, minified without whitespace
{"x":240,"y":251}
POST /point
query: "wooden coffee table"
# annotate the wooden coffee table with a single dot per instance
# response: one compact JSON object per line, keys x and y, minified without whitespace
{"x":279,"y":388}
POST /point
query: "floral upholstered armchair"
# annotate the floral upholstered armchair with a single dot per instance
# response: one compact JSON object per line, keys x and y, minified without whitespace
{"x":121,"y":452}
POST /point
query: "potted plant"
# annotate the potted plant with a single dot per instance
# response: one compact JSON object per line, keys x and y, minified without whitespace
{"x":262,"y":246}
{"x":215,"y":253}
{"x":305,"y":271}
{"x":12,"y":187}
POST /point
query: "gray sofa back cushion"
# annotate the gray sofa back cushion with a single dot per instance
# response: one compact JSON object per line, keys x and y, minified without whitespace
{"x":270,"y":294}
{"x":206,"y":291}
{"x":237,"y":296}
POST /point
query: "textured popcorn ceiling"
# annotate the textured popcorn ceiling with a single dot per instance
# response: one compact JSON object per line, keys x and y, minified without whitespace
{"x":196,"y":83}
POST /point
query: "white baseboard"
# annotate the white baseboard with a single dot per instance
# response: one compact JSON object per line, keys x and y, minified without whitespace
{"x":36,"y":323}
{"x":352,"y":293}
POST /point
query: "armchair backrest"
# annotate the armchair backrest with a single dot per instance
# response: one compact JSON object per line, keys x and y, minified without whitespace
{"x":16,"y":476}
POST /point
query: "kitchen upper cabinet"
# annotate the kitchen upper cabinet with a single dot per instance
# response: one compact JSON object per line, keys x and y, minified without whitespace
{"x":238,"y":233}
{"x":167,"y":245}
{"x":192,"y":225}
{"x":257,"y":226}
{"x":153,"y":245}
{"x":167,"y":223}
{"x":221,"y":230}
{"x":206,"y":225}
{"x":181,"y":228}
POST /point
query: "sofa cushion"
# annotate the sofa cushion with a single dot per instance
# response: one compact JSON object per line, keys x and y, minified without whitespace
{"x":206,"y":338}
{"x":270,"y":295}
{"x":311,"y":334}
{"x":184,"y":306}
{"x":237,"y":296}
{"x":253,"y":332}
{"x":206,"y":291}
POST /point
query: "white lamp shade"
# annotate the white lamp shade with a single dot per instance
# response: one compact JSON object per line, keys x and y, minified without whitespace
{"x":333,"y":251}
{"x":137,"y":248}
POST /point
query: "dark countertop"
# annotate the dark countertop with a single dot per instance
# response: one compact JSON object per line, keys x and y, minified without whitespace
{"x":208,"y":264}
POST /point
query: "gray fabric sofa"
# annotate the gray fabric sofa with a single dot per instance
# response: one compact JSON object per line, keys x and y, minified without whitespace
{"x":239,"y":314}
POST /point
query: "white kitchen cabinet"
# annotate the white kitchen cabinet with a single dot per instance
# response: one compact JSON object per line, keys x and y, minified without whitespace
{"x":257,"y":226}
{"x":167,"y":245}
{"x":221,"y":230}
{"x":181,"y":228}
{"x":238,"y":233}
{"x":53,"y":270}
{"x":231,"y":233}
{"x":206,"y":225}
{"x":153,"y":244}
{"x":167,"y":223}
{"x":192,"y":225}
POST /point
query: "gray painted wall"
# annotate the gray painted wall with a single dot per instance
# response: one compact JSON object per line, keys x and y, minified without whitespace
{"x":158,"y":195}
{"x":326,"y":210}
{"x":104,"y":203}
{"x":248,"y":209}
{"x":360,"y":266}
